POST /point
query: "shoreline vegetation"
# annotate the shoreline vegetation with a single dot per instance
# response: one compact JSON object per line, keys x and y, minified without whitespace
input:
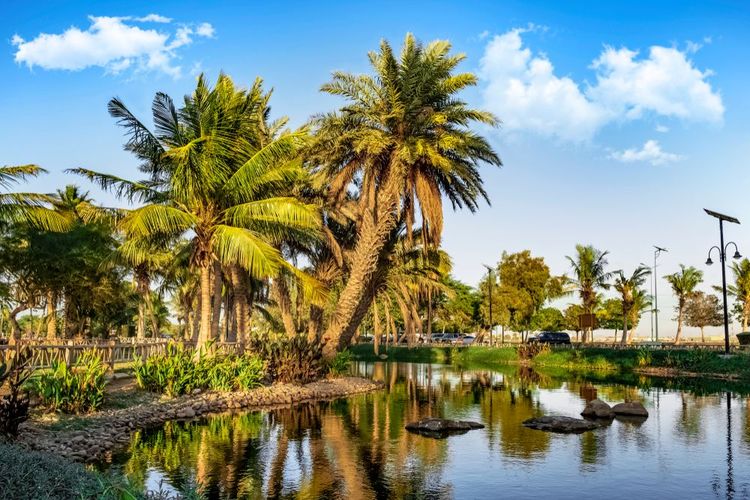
{"x":695,"y":363}
{"x":92,"y":437}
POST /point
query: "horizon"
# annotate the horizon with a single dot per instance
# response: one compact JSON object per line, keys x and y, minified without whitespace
{"x":595,"y":163}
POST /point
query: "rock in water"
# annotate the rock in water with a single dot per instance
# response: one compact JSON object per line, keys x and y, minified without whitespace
{"x":631,"y":408}
{"x":598,"y":409}
{"x":565,"y":425}
{"x":440,"y":428}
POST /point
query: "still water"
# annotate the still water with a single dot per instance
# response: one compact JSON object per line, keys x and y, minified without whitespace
{"x":695,"y":444}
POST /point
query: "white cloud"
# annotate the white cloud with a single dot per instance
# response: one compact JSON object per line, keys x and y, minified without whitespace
{"x":662,"y":129}
{"x":526,"y":94}
{"x":153,"y":18}
{"x":112,"y":43}
{"x":650,"y":152}
{"x":523,"y":89}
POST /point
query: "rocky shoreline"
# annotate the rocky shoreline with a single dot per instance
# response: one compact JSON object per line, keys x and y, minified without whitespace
{"x":99,"y":434}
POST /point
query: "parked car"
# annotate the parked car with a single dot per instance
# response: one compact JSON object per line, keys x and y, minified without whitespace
{"x":468,"y":339}
{"x":436,"y":338}
{"x":451,"y":338}
{"x":550,"y":338}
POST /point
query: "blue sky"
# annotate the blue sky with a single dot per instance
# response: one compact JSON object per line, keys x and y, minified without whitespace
{"x":621,"y":121}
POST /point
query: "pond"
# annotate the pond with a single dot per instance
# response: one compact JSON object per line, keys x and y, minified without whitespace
{"x":695,"y":443}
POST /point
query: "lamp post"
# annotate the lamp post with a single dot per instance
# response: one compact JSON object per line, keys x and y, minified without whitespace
{"x":722,"y":248}
{"x":489,"y":278}
{"x":657,"y":251}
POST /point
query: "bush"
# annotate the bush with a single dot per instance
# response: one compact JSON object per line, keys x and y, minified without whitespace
{"x":14,"y":406}
{"x":529,"y":351}
{"x":177,"y":372}
{"x":33,"y":474}
{"x":290,"y":359}
{"x":340,"y":364}
{"x":173,"y":373}
{"x":77,"y":389}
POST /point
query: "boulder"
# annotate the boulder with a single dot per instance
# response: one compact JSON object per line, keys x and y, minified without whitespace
{"x":630,"y":408}
{"x":441,"y":428}
{"x":186,"y":412}
{"x":565,"y":425}
{"x":597,"y":409}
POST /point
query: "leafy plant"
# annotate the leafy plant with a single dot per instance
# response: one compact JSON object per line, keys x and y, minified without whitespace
{"x":178,"y":372}
{"x":14,"y":406}
{"x":340,"y":363}
{"x":530,"y":351}
{"x":290,"y":359}
{"x":76,"y":389}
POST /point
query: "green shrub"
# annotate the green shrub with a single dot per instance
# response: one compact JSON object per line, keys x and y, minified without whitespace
{"x":173,"y":373}
{"x":14,"y":405}
{"x":76,"y":389}
{"x":340,"y":364}
{"x":177,"y":372}
{"x":290,"y":359}
{"x":34,"y":474}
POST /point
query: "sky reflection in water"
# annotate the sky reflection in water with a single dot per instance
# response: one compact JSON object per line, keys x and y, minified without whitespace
{"x":692,"y":446}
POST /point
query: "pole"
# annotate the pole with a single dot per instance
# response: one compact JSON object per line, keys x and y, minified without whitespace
{"x":656,"y":298}
{"x":722,"y":256}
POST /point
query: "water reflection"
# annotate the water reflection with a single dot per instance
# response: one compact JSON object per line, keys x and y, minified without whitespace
{"x":358,"y":448}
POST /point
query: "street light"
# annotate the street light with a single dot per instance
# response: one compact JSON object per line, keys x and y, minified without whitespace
{"x":489,"y":278}
{"x":657,"y":251}
{"x":722,"y":249}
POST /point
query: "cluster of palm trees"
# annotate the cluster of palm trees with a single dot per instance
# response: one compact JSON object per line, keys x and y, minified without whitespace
{"x":334,"y":221}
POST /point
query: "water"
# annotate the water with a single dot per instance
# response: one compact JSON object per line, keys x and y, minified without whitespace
{"x":695,"y":444}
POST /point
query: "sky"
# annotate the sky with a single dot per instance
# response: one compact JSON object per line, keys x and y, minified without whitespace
{"x":620,"y":121}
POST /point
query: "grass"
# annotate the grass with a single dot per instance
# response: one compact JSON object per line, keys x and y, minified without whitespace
{"x":587,"y":359}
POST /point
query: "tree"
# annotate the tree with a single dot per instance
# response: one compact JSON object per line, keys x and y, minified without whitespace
{"x":627,"y":287}
{"x":29,"y":208}
{"x":740,"y":290}
{"x":589,"y":275}
{"x":683,"y":284}
{"x":209,"y":177}
{"x":571,"y":315}
{"x":609,"y":315}
{"x":641,"y":303}
{"x":402,"y":141}
{"x":458,"y":311}
{"x":548,"y":319}
{"x":702,"y":310}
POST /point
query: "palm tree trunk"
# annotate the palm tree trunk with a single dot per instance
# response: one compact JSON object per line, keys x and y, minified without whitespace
{"x":152,"y":316}
{"x":140,"y":331}
{"x":280,"y":292}
{"x":371,"y":239}
{"x":624,"y":326}
{"x":204,"y":333}
{"x":703,"y":339}
{"x":51,"y":315}
{"x":241,"y":312}
{"x":679,"y":323}
{"x":217,"y":299}
{"x":376,"y":328}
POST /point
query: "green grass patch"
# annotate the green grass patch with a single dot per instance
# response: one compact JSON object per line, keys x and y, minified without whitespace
{"x":422,"y":354}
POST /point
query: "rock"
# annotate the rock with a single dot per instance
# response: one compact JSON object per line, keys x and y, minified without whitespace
{"x":383,"y":356}
{"x":630,"y":408}
{"x":598,"y":409}
{"x":565,"y":425}
{"x":187,"y":412}
{"x":196,"y":392}
{"x":441,"y":428}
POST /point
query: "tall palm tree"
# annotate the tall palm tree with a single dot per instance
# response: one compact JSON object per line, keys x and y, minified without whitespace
{"x":683,"y":285}
{"x":402,"y":139}
{"x":589,"y":275}
{"x":627,"y":288}
{"x":641,"y":302}
{"x":207,"y":177}
{"x":740,"y":290}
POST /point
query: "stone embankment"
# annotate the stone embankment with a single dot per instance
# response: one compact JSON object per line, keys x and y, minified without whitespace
{"x":97,"y":435}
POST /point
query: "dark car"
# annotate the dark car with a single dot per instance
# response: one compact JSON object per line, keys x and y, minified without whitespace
{"x":550,"y":338}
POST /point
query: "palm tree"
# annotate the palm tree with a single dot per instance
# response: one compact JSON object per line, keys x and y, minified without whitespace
{"x":209,"y":178}
{"x":589,"y":275}
{"x":403,"y":140}
{"x":31,"y":208}
{"x":683,"y":285}
{"x":627,"y":288}
{"x":641,"y":302}
{"x":740,"y":290}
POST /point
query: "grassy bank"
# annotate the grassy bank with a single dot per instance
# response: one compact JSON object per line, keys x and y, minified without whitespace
{"x":668,"y":362}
